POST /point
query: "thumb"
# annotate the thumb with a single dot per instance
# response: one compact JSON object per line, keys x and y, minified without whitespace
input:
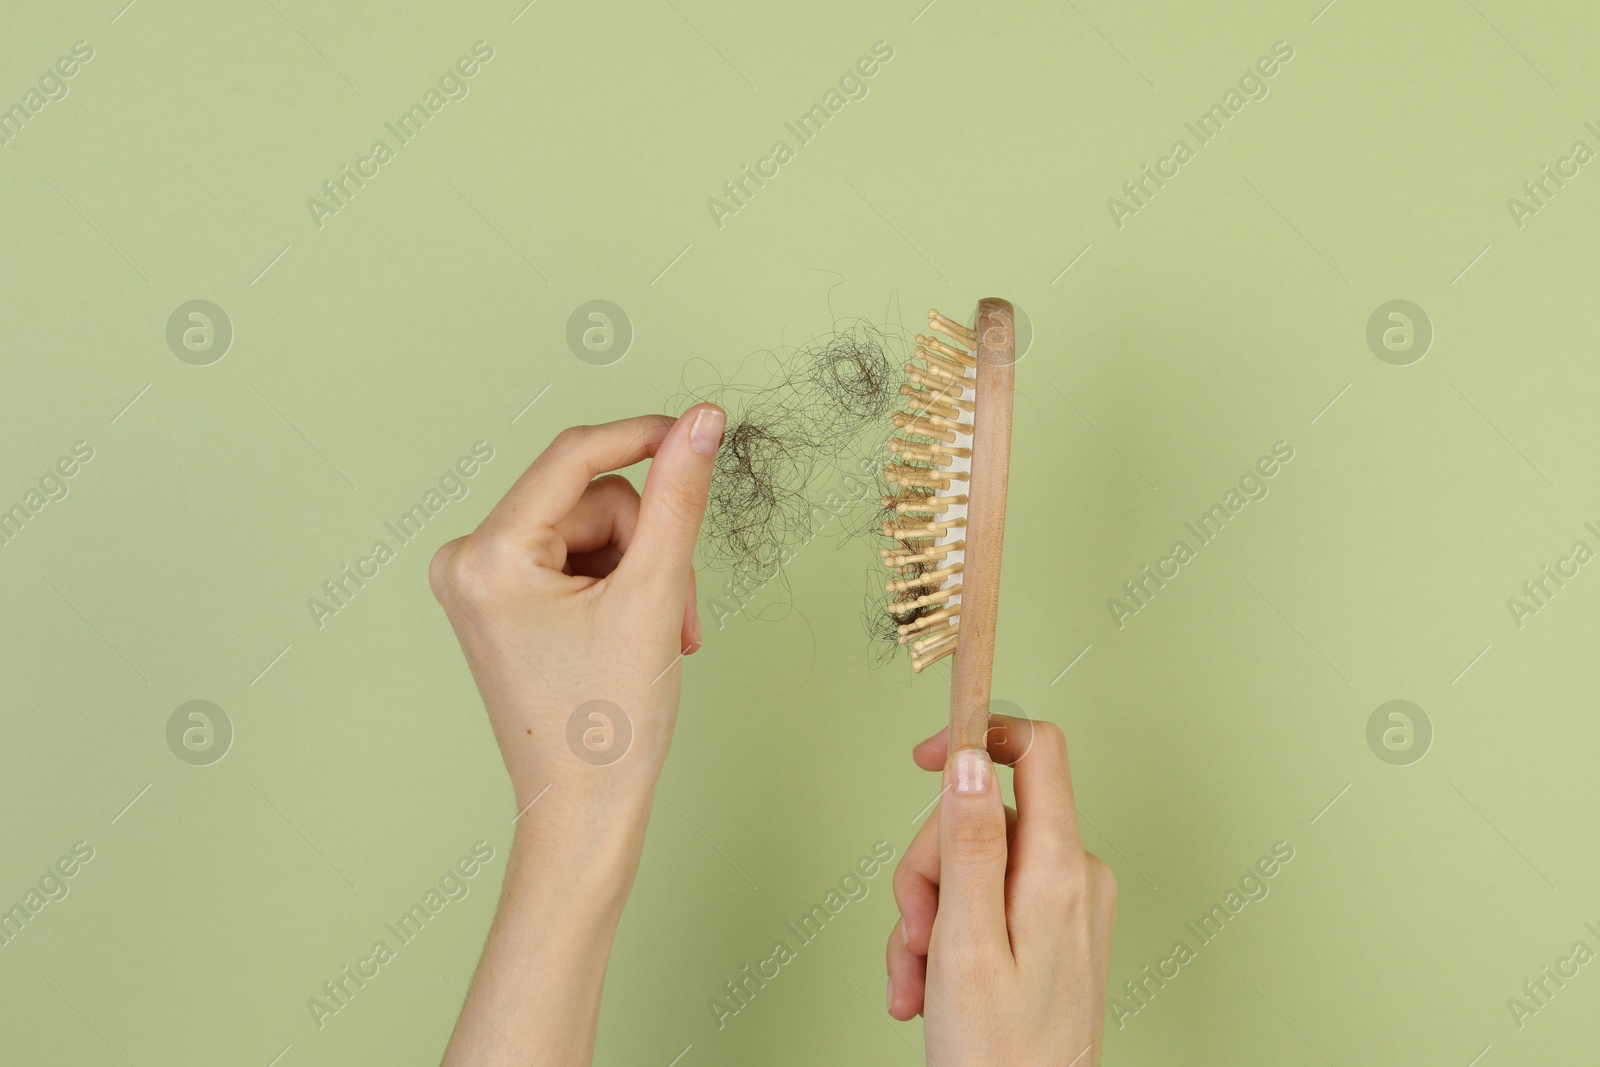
{"x":674,"y":499}
{"x":972,"y":852}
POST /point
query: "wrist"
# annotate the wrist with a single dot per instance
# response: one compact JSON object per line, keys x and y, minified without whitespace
{"x":575,"y":854}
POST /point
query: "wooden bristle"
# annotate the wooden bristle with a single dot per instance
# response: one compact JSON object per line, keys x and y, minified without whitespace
{"x":933,"y":375}
{"x":951,"y":329}
{"x":951,"y":354}
{"x":933,"y":453}
{"x":942,"y":396}
{"x":931,"y":638}
{"x":922,"y":663}
{"x":922,"y":622}
{"x":921,"y":581}
{"x":920,"y":503}
{"x":893,"y":558}
{"x":949,"y":366}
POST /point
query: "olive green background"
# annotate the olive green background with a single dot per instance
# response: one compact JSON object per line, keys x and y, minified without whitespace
{"x":1227,"y":315}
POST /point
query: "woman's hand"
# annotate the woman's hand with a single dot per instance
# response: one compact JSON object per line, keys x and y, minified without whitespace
{"x":1005,"y":933}
{"x":574,"y":604}
{"x":575,"y":589}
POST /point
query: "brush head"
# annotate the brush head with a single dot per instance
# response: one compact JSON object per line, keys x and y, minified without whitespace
{"x":946,"y":513}
{"x":926,"y":515}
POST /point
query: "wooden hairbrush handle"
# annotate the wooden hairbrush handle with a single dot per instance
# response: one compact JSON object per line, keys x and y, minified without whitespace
{"x":986,"y":524}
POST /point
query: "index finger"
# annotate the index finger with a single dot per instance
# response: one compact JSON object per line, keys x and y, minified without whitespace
{"x":1043,"y":782}
{"x":554,"y":482}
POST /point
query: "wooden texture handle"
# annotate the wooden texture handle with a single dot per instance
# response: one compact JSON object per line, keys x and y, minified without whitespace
{"x":986,"y":525}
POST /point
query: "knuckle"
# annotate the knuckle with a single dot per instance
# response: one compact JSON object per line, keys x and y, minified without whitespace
{"x":1050,"y":741}
{"x":614,"y":485}
{"x":682,"y":505}
{"x":470,"y":571}
{"x":1067,"y":886}
{"x":1068,"y":874}
{"x":1084,"y":887}
{"x":1060,"y":850}
{"x":977,"y":840}
{"x":438,"y":567}
{"x":617,"y":496}
{"x":901,"y":881}
{"x":1102,"y":880}
{"x":572,"y":435}
{"x":570,"y":439}
{"x":905,"y":884}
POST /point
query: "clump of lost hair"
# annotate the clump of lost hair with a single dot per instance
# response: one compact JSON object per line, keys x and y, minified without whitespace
{"x":784,"y":437}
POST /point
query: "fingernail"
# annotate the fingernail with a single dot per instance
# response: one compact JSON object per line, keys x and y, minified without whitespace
{"x":972,"y":771}
{"x":888,"y":995}
{"x":705,"y":436}
{"x":905,"y":938}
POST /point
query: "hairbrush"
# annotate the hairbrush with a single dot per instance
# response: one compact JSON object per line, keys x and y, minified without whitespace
{"x":947,"y":517}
